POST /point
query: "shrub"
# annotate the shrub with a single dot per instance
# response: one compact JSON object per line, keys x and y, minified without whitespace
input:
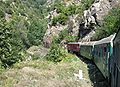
{"x":87,"y":3}
{"x":70,"y":10}
{"x":10,"y":44}
{"x":60,"y":7}
{"x":61,"y":36}
{"x":54,"y":21}
{"x":36,"y":31}
{"x":56,"y":54}
{"x":26,"y":26}
{"x":71,"y":38}
{"x":62,"y":19}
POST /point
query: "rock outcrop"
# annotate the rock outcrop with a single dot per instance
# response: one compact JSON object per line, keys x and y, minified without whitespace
{"x":93,"y":16}
{"x":83,"y":27}
{"x":52,"y":31}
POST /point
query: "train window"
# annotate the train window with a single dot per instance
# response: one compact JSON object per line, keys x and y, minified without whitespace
{"x":105,"y":49}
{"x":97,"y":51}
{"x":101,"y":51}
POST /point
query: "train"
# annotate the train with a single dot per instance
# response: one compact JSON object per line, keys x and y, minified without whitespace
{"x":104,"y":53}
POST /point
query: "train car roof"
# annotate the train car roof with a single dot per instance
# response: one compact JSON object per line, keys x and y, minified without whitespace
{"x":106,"y":40}
{"x":88,"y":43}
{"x":74,"y":43}
{"x":83,"y":43}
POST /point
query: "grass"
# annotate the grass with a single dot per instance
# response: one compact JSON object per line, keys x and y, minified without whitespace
{"x":43,"y":73}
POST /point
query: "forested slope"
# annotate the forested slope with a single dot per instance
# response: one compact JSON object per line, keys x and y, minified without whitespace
{"x":22,"y":25}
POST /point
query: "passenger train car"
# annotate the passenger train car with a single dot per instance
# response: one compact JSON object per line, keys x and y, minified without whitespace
{"x":73,"y":47}
{"x":101,"y":52}
{"x":115,"y":62}
{"x":85,"y":49}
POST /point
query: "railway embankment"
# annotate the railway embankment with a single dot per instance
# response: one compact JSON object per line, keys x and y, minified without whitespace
{"x":42,"y":73}
{"x":95,"y":75}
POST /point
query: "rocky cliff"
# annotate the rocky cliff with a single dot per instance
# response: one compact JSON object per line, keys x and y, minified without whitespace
{"x":82,"y":26}
{"x":93,"y":17}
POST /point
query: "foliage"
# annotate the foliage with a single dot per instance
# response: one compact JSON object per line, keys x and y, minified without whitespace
{"x":71,"y":38}
{"x":62,"y":35}
{"x":110,"y":24}
{"x":9,"y":45}
{"x":36,"y":31}
{"x":65,"y":12}
{"x":56,"y":54}
{"x":62,"y":19}
{"x":79,"y":9}
{"x":40,"y":2}
{"x":87,"y":3}
{"x":22,"y":24}
{"x":60,"y":7}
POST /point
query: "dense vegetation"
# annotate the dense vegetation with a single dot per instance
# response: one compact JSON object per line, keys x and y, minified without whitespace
{"x":110,"y":24}
{"x":66,"y":11}
{"x":22,"y":24}
{"x":56,"y":53}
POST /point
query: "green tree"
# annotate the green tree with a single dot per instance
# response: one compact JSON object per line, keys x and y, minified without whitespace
{"x":36,"y":31}
{"x":10,"y":46}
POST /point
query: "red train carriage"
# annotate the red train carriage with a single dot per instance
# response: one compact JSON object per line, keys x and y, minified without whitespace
{"x":73,"y":47}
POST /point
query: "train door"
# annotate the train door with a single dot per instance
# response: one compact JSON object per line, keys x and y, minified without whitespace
{"x":118,"y":79}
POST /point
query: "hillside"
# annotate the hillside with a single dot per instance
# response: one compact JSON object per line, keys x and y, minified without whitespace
{"x":22,"y":25}
{"x":33,"y":38}
{"x":41,"y":73}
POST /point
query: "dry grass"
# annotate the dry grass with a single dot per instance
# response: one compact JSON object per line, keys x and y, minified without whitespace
{"x":42,"y":73}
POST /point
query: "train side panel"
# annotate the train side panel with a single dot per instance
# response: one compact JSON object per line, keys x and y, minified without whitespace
{"x":86,"y":51}
{"x":102,"y":58}
{"x":115,"y":63}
